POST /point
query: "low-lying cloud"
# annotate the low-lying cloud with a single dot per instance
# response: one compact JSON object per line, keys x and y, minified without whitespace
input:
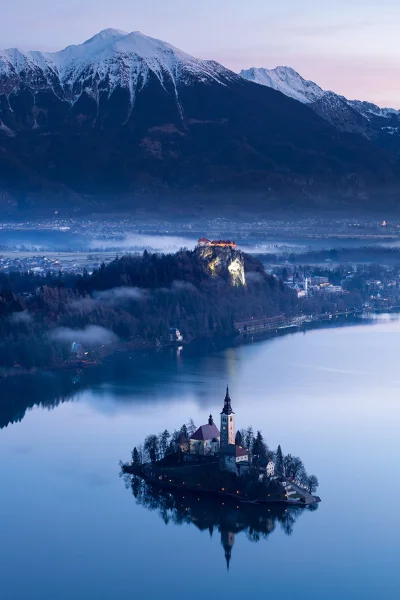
{"x":21,"y":317}
{"x":91,"y":335}
{"x":183,"y":286}
{"x":139,"y":242}
{"x":119,"y":295}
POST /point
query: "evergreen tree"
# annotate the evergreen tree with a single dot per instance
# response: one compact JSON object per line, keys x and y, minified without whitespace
{"x":238,"y":439}
{"x":279,"y":462}
{"x":135,"y":457}
{"x":248,"y":441}
{"x":191,"y":428}
{"x":259,"y":447}
{"x":163,"y":442}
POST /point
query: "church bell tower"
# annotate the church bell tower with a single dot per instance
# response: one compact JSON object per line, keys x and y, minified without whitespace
{"x":227,"y":431}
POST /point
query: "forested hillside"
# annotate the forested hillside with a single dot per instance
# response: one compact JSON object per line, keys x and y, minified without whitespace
{"x":134,"y":300}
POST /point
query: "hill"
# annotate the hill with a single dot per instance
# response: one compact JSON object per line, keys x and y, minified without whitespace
{"x":133,"y":302}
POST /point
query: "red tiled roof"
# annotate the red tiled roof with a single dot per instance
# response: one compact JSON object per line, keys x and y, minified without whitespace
{"x":206,"y":432}
{"x":241,"y":451}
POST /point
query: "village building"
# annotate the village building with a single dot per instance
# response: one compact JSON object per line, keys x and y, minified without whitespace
{"x":175,"y":335}
{"x":270,"y":468}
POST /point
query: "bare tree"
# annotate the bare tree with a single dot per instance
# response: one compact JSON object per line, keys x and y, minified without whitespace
{"x":312,"y":484}
{"x":151,"y":447}
{"x":190,"y":428}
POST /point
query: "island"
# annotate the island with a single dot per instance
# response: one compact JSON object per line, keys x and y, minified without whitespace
{"x":223,"y":462}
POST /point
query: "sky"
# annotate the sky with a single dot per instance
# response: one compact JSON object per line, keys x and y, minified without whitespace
{"x":349,"y":46}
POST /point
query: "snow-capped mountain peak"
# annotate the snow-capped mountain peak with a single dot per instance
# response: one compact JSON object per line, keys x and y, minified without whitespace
{"x":347,"y":115}
{"x":104,"y":35}
{"x":110,"y":59}
{"x":285,"y":80}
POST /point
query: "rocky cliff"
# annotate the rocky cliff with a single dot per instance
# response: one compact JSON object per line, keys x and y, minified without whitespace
{"x":225,"y":262}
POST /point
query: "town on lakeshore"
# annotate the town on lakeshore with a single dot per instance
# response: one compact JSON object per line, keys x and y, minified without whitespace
{"x":234,"y":464}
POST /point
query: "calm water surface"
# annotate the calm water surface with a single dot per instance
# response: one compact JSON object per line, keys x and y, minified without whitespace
{"x":71,"y":529}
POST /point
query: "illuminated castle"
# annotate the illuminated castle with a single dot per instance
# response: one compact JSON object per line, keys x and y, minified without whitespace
{"x":204,"y":242}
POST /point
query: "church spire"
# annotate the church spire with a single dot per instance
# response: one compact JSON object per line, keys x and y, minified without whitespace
{"x":227,"y":541}
{"x":227,"y":409}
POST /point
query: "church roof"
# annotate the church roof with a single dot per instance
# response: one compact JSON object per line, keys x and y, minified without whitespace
{"x":206,"y":432}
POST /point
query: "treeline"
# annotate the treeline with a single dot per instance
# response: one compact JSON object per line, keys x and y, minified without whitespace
{"x":361,"y":254}
{"x":136,"y":297}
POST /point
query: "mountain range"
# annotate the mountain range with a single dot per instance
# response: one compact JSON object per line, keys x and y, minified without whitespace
{"x":126,"y":121}
{"x":372,"y":121}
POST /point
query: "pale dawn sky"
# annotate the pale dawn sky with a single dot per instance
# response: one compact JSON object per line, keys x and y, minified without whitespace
{"x":349,"y":46}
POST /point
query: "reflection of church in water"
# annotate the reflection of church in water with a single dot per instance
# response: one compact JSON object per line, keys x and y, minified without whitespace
{"x":228,"y":519}
{"x":210,"y":513}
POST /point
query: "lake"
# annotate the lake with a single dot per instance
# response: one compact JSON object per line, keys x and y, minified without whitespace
{"x":71,"y":529}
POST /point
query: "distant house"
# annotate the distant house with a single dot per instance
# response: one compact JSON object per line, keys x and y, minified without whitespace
{"x":267,"y":466}
{"x":77,"y":349}
{"x":205,"y":440}
{"x":270,"y":468}
{"x":175,"y":335}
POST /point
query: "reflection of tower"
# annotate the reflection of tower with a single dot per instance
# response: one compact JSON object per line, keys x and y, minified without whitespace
{"x":227,"y":422}
{"x":227,"y":541}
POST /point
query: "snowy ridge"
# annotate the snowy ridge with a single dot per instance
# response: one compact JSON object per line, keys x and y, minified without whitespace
{"x":287,"y":81}
{"x":348,"y":115}
{"x":109,"y":59}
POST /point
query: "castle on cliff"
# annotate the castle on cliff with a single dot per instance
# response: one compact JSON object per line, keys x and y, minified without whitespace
{"x":204,"y":243}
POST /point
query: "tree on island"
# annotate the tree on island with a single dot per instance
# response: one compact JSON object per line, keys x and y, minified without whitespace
{"x":259,"y":447}
{"x":312,"y":484}
{"x":249,"y":438}
{"x":151,"y":447}
{"x":136,"y":460}
{"x":238,"y":439}
{"x":163,"y":442}
{"x":296,"y":468}
{"x":190,"y":428}
{"x":184,"y":431}
{"x":292,"y":467}
{"x":279,"y":461}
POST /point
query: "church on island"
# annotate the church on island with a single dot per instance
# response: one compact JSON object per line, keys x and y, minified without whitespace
{"x":209,"y":442}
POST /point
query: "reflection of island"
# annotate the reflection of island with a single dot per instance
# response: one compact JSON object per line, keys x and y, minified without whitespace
{"x":257,"y":522}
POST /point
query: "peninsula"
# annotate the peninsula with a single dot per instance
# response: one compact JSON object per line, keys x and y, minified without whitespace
{"x":223,"y":462}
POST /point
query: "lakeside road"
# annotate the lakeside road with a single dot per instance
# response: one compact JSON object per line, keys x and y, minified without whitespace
{"x":278,"y":323}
